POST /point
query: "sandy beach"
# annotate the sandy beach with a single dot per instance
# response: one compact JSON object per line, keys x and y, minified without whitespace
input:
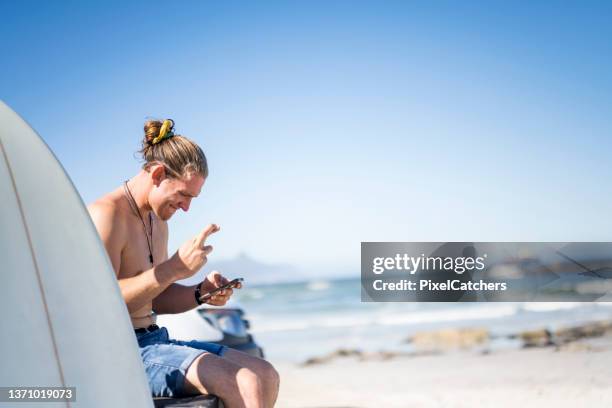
{"x":349,"y":354}
{"x":578,"y":374}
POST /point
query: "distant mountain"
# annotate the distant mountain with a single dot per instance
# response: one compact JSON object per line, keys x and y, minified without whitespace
{"x":253,"y":272}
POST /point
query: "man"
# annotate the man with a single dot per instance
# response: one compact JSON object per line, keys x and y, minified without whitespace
{"x":131,"y":221}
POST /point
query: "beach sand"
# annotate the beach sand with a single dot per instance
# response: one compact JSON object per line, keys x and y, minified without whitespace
{"x":578,"y":374}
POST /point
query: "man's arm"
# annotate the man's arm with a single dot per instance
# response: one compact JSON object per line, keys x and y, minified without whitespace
{"x":178,"y":298}
{"x":138,"y":290}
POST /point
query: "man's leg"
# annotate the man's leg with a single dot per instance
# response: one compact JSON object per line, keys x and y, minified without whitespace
{"x":238,"y":386}
{"x":264,"y":370}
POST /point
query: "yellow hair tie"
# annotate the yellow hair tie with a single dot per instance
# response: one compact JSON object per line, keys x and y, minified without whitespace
{"x":164,"y":131}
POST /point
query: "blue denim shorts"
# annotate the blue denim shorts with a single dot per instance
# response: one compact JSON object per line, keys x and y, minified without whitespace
{"x":166,"y":361}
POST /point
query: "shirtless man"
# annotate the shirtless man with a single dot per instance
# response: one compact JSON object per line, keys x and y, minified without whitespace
{"x":131,"y":221}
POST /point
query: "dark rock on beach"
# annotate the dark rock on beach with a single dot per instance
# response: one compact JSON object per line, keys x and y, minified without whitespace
{"x":478,"y":339}
{"x":449,"y":339}
{"x":587,"y":330}
{"x":536,"y":338}
{"x":333,"y":355}
{"x":561,"y":336}
{"x":360,"y":355}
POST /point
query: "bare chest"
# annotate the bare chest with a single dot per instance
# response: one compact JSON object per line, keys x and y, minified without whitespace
{"x":136,"y":255}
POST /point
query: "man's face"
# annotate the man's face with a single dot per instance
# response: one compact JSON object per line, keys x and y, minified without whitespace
{"x":171,"y":194}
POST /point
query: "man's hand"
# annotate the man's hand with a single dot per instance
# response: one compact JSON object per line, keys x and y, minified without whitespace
{"x":192,"y":255}
{"x":213,"y":281}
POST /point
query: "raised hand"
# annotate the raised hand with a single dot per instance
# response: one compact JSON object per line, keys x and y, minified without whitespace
{"x":192,"y":255}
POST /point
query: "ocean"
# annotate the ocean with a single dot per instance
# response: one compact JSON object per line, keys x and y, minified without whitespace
{"x":296,"y":321}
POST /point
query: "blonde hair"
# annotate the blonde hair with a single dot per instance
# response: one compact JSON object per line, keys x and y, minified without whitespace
{"x":178,"y":154}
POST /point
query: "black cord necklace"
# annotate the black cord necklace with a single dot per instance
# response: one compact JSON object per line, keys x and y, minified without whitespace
{"x":134,"y":206}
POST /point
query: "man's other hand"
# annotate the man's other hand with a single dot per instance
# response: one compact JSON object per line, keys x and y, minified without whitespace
{"x":215,"y":280}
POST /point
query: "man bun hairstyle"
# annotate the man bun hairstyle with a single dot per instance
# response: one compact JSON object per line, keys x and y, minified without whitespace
{"x":178,"y":154}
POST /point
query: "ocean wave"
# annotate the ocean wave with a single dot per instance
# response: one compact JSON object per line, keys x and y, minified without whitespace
{"x":318,"y":285}
{"x":447,"y":315}
{"x":251,"y":294}
{"x":549,"y":306}
{"x":263,"y":324}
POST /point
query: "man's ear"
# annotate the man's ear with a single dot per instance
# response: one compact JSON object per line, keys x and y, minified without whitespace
{"x":158,"y":174}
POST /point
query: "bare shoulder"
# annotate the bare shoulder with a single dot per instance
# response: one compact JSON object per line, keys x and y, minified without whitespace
{"x":105,"y":207}
{"x":108,"y":214}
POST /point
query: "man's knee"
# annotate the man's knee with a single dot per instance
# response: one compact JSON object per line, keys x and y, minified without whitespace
{"x":266,"y":372}
{"x":249,"y":381}
{"x":209,"y":374}
{"x":270,"y":375}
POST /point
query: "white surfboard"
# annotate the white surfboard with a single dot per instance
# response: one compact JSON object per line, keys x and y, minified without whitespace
{"x":64,"y":322}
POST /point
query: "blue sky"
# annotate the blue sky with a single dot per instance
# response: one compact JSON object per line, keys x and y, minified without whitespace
{"x":331,"y":123}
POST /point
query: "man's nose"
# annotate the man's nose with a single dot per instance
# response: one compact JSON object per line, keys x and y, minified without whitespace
{"x":185,"y":205}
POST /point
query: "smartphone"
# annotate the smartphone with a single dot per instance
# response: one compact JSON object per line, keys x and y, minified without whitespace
{"x":232,"y":284}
